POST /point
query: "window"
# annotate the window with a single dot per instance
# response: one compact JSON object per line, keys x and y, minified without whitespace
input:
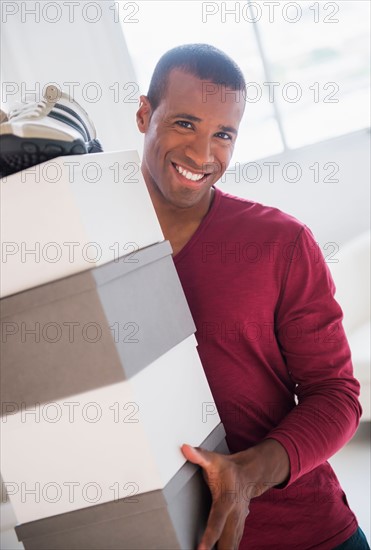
{"x":306,"y":63}
{"x":325,"y":55}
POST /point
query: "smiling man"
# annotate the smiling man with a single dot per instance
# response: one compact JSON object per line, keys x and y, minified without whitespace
{"x":268,"y":328}
{"x":190,"y":136}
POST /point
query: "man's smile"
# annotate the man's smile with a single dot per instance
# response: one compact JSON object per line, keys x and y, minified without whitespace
{"x":190,"y":175}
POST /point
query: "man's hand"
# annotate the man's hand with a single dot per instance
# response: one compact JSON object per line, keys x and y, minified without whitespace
{"x":233,"y":481}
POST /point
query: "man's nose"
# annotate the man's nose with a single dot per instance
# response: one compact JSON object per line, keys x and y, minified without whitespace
{"x":199,"y":150}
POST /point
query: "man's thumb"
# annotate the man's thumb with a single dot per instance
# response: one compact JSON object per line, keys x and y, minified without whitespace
{"x":196,"y":455}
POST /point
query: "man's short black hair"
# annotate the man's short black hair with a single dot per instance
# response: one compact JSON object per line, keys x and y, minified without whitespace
{"x":201,"y":60}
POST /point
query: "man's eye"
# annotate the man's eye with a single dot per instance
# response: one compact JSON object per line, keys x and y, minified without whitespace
{"x":184,"y":123}
{"x":224,"y":136}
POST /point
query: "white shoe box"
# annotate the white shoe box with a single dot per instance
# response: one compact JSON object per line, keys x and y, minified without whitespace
{"x":172,"y":518}
{"x":91,"y":329}
{"x":108,"y":443}
{"x":70,"y":214}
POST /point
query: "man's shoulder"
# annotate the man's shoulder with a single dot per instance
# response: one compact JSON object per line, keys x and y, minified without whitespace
{"x":246,"y":212}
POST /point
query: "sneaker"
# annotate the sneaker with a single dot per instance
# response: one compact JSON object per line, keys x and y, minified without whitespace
{"x":36,"y":132}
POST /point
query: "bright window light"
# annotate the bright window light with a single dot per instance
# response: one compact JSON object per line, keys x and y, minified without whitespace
{"x":306,"y":63}
{"x":325,"y":55}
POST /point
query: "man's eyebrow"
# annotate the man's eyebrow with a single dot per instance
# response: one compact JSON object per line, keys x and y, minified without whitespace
{"x":187,"y":116}
{"x":193,"y":118}
{"x":228,"y":129}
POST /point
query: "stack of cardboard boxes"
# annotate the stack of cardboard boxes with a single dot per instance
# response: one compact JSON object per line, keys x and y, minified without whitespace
{"x":101,"y":379}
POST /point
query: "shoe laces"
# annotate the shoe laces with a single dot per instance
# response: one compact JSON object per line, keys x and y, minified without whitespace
{"x":37,"y":109}
{"x":53,"y":96}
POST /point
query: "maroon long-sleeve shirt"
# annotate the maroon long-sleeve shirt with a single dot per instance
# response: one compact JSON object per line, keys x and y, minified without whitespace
{"x":269,"y":329}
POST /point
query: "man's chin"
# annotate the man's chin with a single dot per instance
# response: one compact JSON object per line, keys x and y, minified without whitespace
{"x":183,"y":204}
{"x":189,"y":198}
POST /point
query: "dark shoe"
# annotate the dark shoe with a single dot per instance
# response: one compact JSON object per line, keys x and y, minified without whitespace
{"x":55,"y":126}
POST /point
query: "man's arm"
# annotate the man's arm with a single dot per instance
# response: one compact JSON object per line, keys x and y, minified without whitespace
{"x":312,"y":341}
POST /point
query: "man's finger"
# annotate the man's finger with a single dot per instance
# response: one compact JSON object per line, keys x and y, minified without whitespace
{"x":197,"y":455}
{"x":214,"y":527}
{"x":232,"y":533}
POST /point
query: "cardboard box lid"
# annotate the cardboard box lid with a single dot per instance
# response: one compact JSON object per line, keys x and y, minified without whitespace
{"x":82,"y":282}
{"x":126,"y":264}
{"x":35,"y":370}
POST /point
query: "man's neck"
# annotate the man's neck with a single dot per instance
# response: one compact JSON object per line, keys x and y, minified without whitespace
{"x":179,"y":224}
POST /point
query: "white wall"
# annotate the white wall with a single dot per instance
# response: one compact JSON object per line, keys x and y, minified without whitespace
{"x":36,"y":51}
{"x":334,"y":211}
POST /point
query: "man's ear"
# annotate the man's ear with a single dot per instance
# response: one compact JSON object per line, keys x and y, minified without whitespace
{"x":143,"y":114}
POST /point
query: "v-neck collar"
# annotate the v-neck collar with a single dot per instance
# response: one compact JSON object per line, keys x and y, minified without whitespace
{"x":201,"y":228}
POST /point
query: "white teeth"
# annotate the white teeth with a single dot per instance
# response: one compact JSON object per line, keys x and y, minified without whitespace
{"x":188,"y":175}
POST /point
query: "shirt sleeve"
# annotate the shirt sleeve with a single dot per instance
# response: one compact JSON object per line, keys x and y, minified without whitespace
{"x":314,"y":346}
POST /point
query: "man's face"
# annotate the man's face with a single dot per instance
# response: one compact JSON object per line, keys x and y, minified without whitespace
{"x":189,"y":139}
